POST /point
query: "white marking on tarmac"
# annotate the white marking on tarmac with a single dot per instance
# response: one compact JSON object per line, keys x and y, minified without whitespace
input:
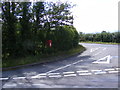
{"x":64,"y":67}
{"x":55,"y":76}
{"x":113,"y":71}
{"x":85,"y":74}
{"x":104,"y":60}
{"x":53,"y":73}
{"x":110,"y":69}
{"x":19,"y":78}
{"x":68,"y":72}
{"x":102,"y":72}
{"x":10,"y":85}
{"x":39,"y":76}
{"x":3,"y":78}
{"x":94,"y":49}
{"x":97,"y":53}
{"x":70,"y":75}
{"x":95,"y":70}
{"x":85,"y":71}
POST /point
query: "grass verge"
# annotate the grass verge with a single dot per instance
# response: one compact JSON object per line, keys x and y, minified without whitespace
{"x":100,"y":42}
{"x":38,"y":59}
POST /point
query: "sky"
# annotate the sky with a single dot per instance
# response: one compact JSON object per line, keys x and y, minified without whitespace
{"x":93,"y":16}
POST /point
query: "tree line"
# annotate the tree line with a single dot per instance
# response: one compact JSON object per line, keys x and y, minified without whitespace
{"x":27,"y":26}
{"x":100,"y":37}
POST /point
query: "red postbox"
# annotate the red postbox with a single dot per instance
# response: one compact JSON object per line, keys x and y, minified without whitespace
{"x":49,"y":43}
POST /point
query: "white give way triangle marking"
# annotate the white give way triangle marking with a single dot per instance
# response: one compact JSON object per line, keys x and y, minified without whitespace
{"x":104,"y":60}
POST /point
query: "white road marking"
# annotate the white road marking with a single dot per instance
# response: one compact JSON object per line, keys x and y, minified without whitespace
{"x":36,"y":76}
{"x":20,"y":83}
{"x":19,"y":78}
{"x":85,"y":71}
{"x":102,"y":72}
{"x":95,"y":70}
{"x":53,"y":73}
{"x":70,"y":75}
{"x":85,"y":74}
{"x":3,"y":78}
{"x":94,"y":49}
{"x":68,"y":72}
{"x":113,"y":71}
{"x":104,"y":60}
{"x":55,"y":76}
{"x":39,"y":76}
{"x":110,"y":69}
{"x":97,"y":53}
{"x":10,"y":85}
{"x":63,"y":67}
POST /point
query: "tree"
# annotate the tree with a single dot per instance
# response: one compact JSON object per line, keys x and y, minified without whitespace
{"x":38,"y":21}
{"x":8,"y":29}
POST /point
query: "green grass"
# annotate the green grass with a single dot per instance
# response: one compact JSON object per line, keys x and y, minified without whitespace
{"x":100,"y":42}
{"x":42,"y":58}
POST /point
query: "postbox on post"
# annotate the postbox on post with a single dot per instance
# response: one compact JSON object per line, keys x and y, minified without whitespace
{"x":49,"y":43}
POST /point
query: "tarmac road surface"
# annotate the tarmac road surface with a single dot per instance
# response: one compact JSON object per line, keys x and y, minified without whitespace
{"x":97,"y":67}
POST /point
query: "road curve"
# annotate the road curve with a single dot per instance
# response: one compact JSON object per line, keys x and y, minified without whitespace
{"x":95,"y":68}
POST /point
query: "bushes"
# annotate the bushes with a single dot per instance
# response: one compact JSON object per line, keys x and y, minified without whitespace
{"x":27,"y":26}
{"x":66,"y":37}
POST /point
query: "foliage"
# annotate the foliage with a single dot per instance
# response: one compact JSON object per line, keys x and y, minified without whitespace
{"x":101,"y":37}
{"x":27,"y":26}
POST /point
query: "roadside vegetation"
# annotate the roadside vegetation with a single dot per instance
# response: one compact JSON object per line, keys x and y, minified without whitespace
{"x":41,"y":58}
{"x":100,"y":38}
{"x":33,"y":31}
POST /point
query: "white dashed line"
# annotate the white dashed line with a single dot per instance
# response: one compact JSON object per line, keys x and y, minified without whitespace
{"x":68,"y":72}
{"x":102,"y":72}
{"x":3,"y":78}
{"x":70,"y":75}
{"x":85,"y":71}
{"x":19,"y":78}
{"x":53,"y":73}
{"x":55,"y":76}
{"x":109,"y":69}
{"x":95,"y":70}
{"x":10,"y":85}
{"x":85,"y":74}
{"x":39,"y":76}
{"x":113,"y":71}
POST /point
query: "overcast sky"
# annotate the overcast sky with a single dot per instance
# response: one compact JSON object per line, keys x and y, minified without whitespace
{"x":91,"y":16}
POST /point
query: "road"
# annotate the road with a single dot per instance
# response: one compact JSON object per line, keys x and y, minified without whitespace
{"x":97,"y":67}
